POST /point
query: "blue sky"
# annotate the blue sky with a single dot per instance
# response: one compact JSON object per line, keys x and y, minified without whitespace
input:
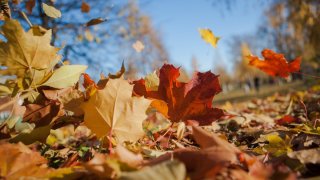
{"x":179,"y":21}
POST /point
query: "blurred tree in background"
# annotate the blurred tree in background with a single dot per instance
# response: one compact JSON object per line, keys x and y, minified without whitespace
{"x":294,"y":28}
{"x":104,"y":46}
{"x":291,"y":27}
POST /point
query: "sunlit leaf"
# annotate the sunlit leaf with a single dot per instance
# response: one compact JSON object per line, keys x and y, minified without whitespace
{"x":208,"y":36}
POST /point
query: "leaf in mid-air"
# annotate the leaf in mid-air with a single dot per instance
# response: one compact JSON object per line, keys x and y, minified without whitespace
{"x":275,"y":64}
{"x":85,"y":7}
{"x":181,"y":101}
{"x":208,"y":36}
{"x":113,"y":110}
{"x":138,"y":46}
{"x":25,"y":51}
{"x":95,"y":21}
{"x":51,"y":11}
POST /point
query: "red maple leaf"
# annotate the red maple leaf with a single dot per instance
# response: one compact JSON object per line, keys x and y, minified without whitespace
{"x":275,"y":64}
{"x":181,"y":101}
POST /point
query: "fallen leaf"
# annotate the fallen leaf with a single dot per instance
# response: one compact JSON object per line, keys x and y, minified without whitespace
{"x":306,"y":156}
{"x":168,"y":170}
{"x":24,"y":51}
{"x":43,"y":114}
{"x":112,"y":110}
{"x":275,"y":64}
{"x":85,"y":7}
{"x":208,"y":36}
{"x":95,"y":21}
{"x":138,"y":46}
{"x":103,"y":80}
{"x":128,"y":157}
{"x":51,"y":11}
{"x":287,"y":119}
{"x":65,"y":76}
{"x":183,"y":101}
{"x":18,"y":161}
{"x":215,"y":154}
{"x":152,"y":82}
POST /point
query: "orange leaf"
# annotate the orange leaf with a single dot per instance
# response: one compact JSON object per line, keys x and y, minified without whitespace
{"x":85,"y":7}
{"x":275,"y":64}
{"x":183,"y":101}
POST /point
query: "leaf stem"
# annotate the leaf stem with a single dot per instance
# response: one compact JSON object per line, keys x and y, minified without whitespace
{"x":26,"y":18}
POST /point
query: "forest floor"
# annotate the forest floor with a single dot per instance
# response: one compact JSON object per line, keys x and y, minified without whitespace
{"x":239,"y":95}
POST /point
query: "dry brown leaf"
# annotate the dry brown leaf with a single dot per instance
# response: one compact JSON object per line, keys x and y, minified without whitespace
{"x":85,"y":7}
{"x":113,"y":110}
{"x":95,"y":21}
{"x":215,"y":154}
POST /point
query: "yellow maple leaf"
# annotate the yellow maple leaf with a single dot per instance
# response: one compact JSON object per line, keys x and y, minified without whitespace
{"x":208,"y":36}
{"x":113,"y":110}
{"x":25,"y":51}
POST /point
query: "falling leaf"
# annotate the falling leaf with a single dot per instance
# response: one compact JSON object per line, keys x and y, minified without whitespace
{"x":208,"y":36}
{"x":65,"y":76}
{"x":30,"y":5}
{"x":183,"y":101}
{"x":51,"y":11}
{"x":138,"y":46}
{"x":95,"y":21}
{"x":88,"y":35}
{"x":24,"y":51}
{"x":168,"y":170}
{"x":112,"y":110}
{"x":85,"y":7}
{"x":275,"y":64}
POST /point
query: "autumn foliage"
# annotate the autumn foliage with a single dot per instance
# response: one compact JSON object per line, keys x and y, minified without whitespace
{"x":181,"y":101}
{"x":58,"y":123}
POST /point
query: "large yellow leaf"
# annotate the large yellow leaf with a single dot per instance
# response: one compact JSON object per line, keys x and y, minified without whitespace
{"x":113,"y":110}
{"x":25,"y":51}
{"x":208,"y":36}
